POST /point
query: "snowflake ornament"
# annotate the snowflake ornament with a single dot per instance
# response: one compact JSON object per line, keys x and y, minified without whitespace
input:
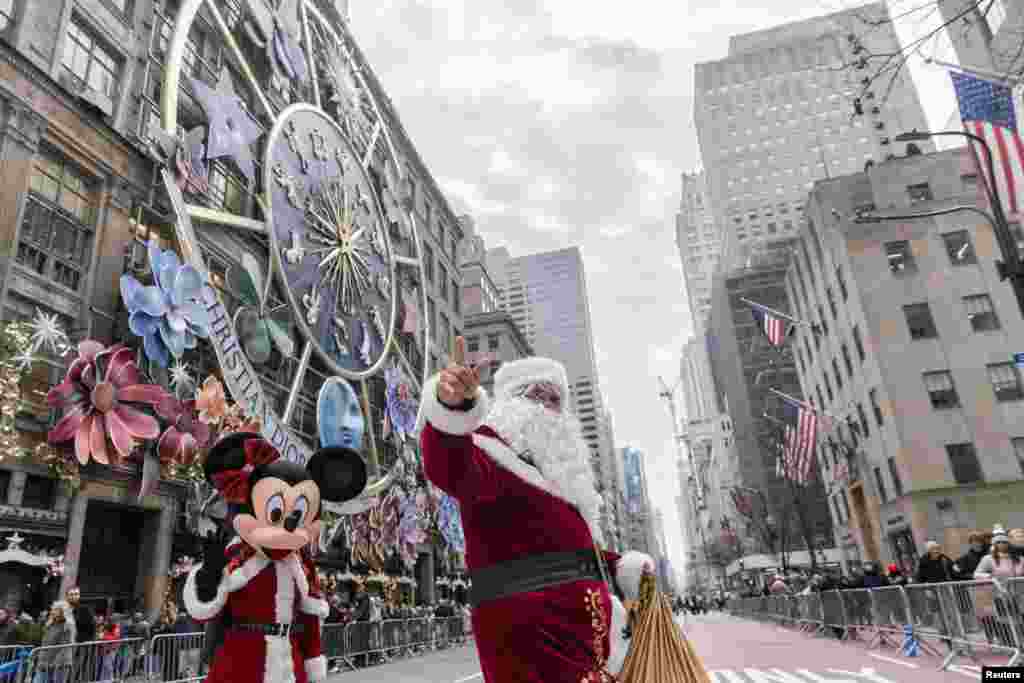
{"x":48,"y":333}
{"x":181,"y":378}
{"x":23,"y":360}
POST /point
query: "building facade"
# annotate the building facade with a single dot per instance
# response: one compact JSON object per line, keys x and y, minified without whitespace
{"x":638,"y":533}
{"x":745,"y":367}
{"x":697,"y":239}
{"x":79,"y":99}
{"x":775,"y":115}
{"x":915,"y":359}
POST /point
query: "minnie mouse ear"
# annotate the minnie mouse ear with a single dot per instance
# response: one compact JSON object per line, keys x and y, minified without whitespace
{"x":227,"y":454}
{"x":339,"y":472}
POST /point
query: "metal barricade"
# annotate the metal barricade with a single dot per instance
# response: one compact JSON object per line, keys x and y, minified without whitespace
{"x":833,"y":612}
{"x":890,"y":612}
{"x":420,"y":639}
{"x":8,"y":653}
{"x":857,"y":602}
{"x":392,"y":637}
{"x":103,"y":661}
{"x":336,"y":647}
{"x":808,"y":609}
{"x":175,"y":657}
{"x":980,"y":615}
{"x":439,"y":630}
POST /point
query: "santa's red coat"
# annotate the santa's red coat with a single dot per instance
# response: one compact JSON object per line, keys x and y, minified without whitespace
{"x":559,"y":634}
{"x":264,"y":591}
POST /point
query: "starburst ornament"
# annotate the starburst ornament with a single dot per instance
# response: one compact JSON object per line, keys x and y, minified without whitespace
{"x":181,"y":378}
{"x":23,"y":360}
{"x":48,"y":334}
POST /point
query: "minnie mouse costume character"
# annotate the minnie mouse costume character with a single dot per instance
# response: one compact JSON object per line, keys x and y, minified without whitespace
{"x":262,"y":587}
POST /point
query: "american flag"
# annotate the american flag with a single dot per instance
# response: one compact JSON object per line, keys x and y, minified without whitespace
{"x":776,"y":329}
{"x":986,"y":110}
{"x":800,"y":434}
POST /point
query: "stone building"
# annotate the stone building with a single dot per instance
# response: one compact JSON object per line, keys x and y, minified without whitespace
{"x":915,"y":359}
{"x":80,"y":89}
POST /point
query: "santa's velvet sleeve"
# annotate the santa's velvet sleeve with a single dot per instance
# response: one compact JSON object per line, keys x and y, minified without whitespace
{"x":207,"y":587}
{"x":313,"y":609}
{"x":451,"y":460}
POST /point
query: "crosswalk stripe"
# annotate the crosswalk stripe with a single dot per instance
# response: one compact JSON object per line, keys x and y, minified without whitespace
{"x":892,"y":660}
{"x":727,"y":676}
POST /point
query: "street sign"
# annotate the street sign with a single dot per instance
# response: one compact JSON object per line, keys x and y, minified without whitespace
{"x":1018,"y":359}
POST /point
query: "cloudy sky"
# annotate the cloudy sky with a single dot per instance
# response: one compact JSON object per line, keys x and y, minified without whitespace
{"x":561,"y":122}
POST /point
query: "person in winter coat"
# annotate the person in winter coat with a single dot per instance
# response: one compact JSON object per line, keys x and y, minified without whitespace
{"x":53,"y":663}
{"x":1000,"y":563}
{"x":935,"y":566}
{"x":778,"y":586}
{"x":967,"y":563}
{"x":873,"y":576}
{"x":896,"y":576}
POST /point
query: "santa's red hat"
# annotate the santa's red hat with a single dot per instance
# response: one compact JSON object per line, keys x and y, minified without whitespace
{"x":519,"y":373}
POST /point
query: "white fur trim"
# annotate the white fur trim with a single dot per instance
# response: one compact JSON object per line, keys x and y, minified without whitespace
{"x":618,"y":646}
{"x":316,"y":669}
{"x":278,"y":666}
{"x":444,"y":418}
{"x":196,"y":608}
{"x":629,"y":570}
{"x":517,"y":373}
{"x":507,"y":459}
{"x":238,"y":579}
{"x":315,"y":606}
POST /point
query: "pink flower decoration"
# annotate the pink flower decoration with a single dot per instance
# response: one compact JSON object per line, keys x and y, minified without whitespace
{"x":211,"y":401}
{"x":96,"y":395}
{"x":180,"y":443}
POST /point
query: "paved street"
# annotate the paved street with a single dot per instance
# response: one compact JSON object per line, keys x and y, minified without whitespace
{"x":735,"y":651}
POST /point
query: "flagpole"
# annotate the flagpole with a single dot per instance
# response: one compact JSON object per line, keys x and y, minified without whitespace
{"x":1003,"y":79}
{"x":776,"y":313}
{"x":802,"y":403}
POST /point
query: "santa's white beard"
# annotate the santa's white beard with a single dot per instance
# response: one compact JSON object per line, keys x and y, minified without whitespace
{"x":554,"y":444}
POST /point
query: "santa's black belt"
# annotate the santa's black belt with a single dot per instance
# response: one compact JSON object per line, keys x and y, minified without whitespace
{"x":532,"y":573}
{"x":279,"y":630}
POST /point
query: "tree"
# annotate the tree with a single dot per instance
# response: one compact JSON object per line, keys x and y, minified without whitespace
{"x":881,"y":70}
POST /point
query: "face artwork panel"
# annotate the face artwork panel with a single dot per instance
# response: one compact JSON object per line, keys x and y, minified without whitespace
{"x":284,"y":516}
{"x":340,"y":415}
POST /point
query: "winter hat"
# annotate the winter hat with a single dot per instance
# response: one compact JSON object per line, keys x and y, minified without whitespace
{"x":514,"y":375}
{"x":893,"y":568}
{"x":999,"y":534}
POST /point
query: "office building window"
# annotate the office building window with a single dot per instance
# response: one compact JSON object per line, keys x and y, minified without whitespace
{"x":941,"y":390}
{"x":846,"y":504}
{"x":894,"y":474}
{"x":1005,"y":379}
{"x":880,"y":482}
{"x":60,"y":215}
{"x":847,"y":361}
{"x":876,"y":407}
{"x":863,"y":420}
{"x":959,"y":248}
{"x":900,"y":257}
{"x":88,"y":62}
{"x":920,"y":321}
{"x":841,"y":282}
{"x":428,"y":263}
{"x":442,"y":282}
{"x":921,"y":192}
{"x":1016,"y":442}
{"x":838,"y":510}
{"x":858,"y":343}
{"x":493,"y":342}
{"x":981,"y":313}
{"x":839,"y":377}
{"x":472,"y":344}
{"x":828,"y":386}
{"x":821,"y":317}
{"x":964,"y":461}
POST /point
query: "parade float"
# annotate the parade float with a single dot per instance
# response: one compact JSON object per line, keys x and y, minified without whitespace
{"x":288,"y":301}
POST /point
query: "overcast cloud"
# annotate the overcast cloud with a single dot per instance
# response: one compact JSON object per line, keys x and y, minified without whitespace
{"x":560,"y":122}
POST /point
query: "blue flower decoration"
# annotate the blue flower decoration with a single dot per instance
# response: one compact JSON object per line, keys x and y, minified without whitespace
{"x":169,"y":316}
{"x":449,"y":520}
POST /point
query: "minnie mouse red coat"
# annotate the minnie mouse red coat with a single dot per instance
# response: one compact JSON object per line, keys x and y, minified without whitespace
{"x":261,"y":590}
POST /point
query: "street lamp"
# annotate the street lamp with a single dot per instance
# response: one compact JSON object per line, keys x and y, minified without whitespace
{"x":1011,"y":268}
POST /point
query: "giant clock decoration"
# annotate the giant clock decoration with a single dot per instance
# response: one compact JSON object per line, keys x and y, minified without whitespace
{"x":325,"y":222}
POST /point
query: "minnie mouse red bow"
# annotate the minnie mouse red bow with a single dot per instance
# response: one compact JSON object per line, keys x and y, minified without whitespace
{"x":234,"y":484}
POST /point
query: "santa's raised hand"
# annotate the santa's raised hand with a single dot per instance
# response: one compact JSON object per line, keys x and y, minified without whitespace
{"x":458,"y":382}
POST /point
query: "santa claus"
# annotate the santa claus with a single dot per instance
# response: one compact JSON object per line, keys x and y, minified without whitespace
{"x":520,"y":471}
